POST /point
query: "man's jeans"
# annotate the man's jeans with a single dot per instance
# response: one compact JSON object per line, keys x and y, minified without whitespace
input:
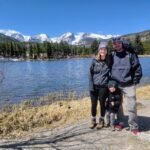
{"x":130,"y":97}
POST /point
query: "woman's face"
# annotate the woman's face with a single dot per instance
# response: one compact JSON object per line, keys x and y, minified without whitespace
{"x":103,"y":52}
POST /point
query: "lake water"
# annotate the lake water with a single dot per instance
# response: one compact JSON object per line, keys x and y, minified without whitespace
{"x":38,"y":78}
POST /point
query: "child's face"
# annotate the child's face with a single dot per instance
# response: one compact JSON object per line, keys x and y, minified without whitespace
{"x":112,"y":89}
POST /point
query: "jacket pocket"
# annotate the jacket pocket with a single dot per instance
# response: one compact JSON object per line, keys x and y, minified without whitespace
{"x":121,"y":74}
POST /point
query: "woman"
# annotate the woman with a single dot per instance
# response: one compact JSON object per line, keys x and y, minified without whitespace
{"x":98,"y":81}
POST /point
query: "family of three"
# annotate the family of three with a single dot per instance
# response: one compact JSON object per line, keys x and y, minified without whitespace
{"x":111,"y":77}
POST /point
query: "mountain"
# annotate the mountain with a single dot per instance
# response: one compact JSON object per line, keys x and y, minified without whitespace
{"x":87,"y":39}
{"x":80,"y":38}
{"x":73,"y":39}
{"x":25,"y":38}
{"x":13,"y":34}
{"x":4,"y":38}
{"x":144,"y":36}
{"x":67,"y":37}
{"x":37,"y":38}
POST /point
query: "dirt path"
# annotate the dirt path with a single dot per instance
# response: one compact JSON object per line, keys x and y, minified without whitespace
{"x":80,"y":137}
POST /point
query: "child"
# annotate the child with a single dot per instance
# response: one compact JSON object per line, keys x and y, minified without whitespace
{"x":114,"y":102}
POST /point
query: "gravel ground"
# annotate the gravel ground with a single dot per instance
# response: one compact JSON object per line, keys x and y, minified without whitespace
{"x":80,"y":137}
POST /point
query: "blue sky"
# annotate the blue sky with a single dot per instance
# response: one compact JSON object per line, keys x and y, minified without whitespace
{"x":55,"y":17}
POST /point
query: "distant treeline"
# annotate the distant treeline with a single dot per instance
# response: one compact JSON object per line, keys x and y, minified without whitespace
{"x":42,"y":50}
{"x":48,"y":50}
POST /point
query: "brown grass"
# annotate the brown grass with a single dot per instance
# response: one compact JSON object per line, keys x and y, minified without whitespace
{"x":22,"y":120}
{"x":143,"y":93}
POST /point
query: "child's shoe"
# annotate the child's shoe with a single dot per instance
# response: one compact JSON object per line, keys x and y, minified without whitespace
{"x":119,"y":126}
{"x":112,"y":128}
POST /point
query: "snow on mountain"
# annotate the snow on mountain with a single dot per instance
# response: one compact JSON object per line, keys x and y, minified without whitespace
{"x":39,"y":38}
{"x":14,"y":34}
{"x":87,"y":38}
{"x":79,"y":38}
{"x":67,"y":37}
{"x":25,"y":38}
{"x":102,"y":36}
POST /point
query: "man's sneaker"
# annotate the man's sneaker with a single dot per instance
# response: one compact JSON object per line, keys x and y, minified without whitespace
{"x":93,"y":123}
{"x":119,"y":126}
{"x":100,"y":124}
{"x":135,"y":131}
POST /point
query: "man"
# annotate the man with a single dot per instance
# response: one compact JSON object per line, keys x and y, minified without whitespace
{"x":126,"y":70}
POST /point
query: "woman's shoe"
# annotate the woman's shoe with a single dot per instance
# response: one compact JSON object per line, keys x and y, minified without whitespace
{"x":100,"y":124}
{"x":93,"y":123}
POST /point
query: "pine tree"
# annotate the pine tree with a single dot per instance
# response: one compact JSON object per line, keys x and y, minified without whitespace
{"x":48,"y":49}
{"x":30,"y":51}
{"x":109,"y":46}
{"x":94,"y":46}
{"x":138,"y":45}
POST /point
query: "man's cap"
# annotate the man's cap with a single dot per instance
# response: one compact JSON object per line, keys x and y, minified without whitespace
{"x":117,"y":39}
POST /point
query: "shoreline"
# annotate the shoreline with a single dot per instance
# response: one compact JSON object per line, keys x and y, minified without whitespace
{"x":52,"y":97}
{"x":20,"y":120}
{"x":4,"y":59}
{"x":144,"y":55}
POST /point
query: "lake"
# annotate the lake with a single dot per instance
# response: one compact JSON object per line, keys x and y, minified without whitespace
{"x":37,"y":78}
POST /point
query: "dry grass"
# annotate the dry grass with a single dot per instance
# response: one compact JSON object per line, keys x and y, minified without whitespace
{"x":143,"y":93}
{"x":23,"y":119}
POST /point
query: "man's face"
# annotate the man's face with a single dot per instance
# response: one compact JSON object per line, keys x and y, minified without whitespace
{"x":117,"y":46}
